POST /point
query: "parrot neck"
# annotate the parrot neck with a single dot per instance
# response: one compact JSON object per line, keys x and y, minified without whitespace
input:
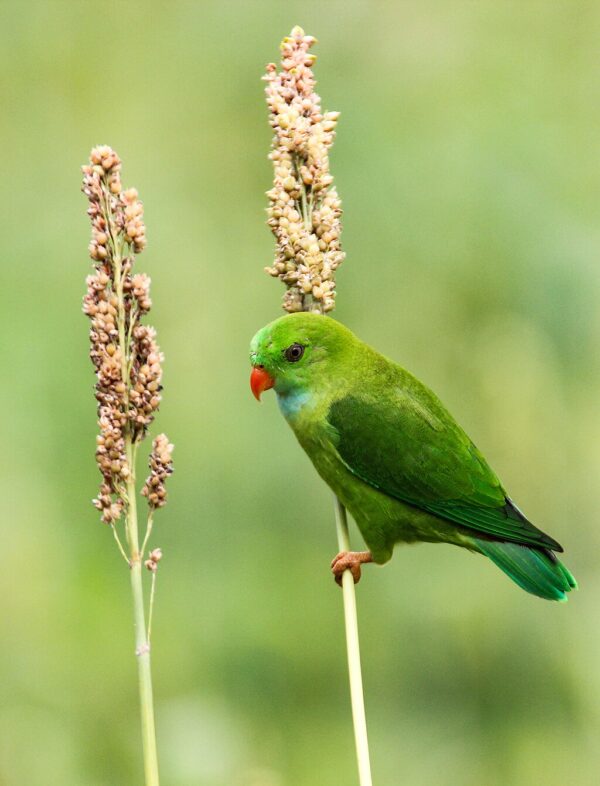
{"x":292,"y":401}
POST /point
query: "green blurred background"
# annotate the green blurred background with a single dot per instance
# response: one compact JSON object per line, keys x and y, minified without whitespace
{"x":467,"y":160}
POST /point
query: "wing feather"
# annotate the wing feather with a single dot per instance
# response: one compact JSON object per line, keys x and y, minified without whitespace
{"x":408,"y":446}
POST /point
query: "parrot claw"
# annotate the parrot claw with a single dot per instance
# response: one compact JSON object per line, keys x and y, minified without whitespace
{"x":349,"y":560}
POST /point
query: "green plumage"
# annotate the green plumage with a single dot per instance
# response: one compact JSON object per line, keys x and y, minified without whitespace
{"x":395,"y":456}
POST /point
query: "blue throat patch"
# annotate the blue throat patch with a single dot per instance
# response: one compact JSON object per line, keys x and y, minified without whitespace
{"x":291,"y":403}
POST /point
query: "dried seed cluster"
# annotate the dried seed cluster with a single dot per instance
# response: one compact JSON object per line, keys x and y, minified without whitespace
{"x":124,"y":352}
{"x":154,"y":557}
{"x":161,"y":466}
{"x":304,"y":211}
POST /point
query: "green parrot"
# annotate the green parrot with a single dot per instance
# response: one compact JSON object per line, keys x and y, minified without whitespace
{"x":393,"y":454}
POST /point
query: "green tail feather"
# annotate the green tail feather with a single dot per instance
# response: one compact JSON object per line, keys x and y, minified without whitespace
{"x":535,"y":570}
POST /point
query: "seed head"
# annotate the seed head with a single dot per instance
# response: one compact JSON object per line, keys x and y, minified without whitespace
{"x":154,"y":557}
{"x":304,"y":208}
{"x":161,"y":466}
{"x":124,"y":352}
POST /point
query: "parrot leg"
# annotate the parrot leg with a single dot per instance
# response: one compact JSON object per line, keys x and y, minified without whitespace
{"x":349,"y":560}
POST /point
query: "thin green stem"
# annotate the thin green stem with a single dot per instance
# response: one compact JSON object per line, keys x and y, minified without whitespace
{"x":132,"y":318}
{"x":305,"y":208}
{"x":119,"y":544}
{"x":149,"y":523}
{"x":305,"y":205}
{"x":151,"y":606}
{"x":142,"y":644}
{"x":353,"y":648}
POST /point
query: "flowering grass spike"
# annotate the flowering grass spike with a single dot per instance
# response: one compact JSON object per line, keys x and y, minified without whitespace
{"x":304,"y":211}
{"x":128,"y":365}
{"x":124,"y":352}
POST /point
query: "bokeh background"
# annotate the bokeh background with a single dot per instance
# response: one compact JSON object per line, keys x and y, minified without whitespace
{"x":468,"y":160}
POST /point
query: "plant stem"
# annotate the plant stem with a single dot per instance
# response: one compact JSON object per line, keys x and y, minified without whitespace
{"x":142,"y":646}
{"x":151,"y":607}
{"x":149,"y":524}
{"x":119,"y":544}
{"x":353,"y":648}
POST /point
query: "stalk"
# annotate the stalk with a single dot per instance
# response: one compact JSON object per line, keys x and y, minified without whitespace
{"x":142,"y":645}
{"x":353,"y":649}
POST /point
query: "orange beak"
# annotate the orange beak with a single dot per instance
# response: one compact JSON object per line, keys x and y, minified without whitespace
{"x":260,"y":380}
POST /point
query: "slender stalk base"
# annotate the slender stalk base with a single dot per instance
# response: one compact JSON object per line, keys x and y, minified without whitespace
{"x":353,"y":648}
{"x":142,"y":645}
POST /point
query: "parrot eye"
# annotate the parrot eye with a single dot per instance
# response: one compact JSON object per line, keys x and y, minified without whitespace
{"x":294,"y":352}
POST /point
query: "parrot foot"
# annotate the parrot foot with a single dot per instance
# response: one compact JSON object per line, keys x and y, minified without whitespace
{"x":349,"y":560}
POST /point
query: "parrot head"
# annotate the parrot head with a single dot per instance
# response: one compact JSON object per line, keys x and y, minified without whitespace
{"x":291,"y":353}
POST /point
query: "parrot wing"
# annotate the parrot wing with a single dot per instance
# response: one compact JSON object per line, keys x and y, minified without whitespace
{"x":406,"y":444}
